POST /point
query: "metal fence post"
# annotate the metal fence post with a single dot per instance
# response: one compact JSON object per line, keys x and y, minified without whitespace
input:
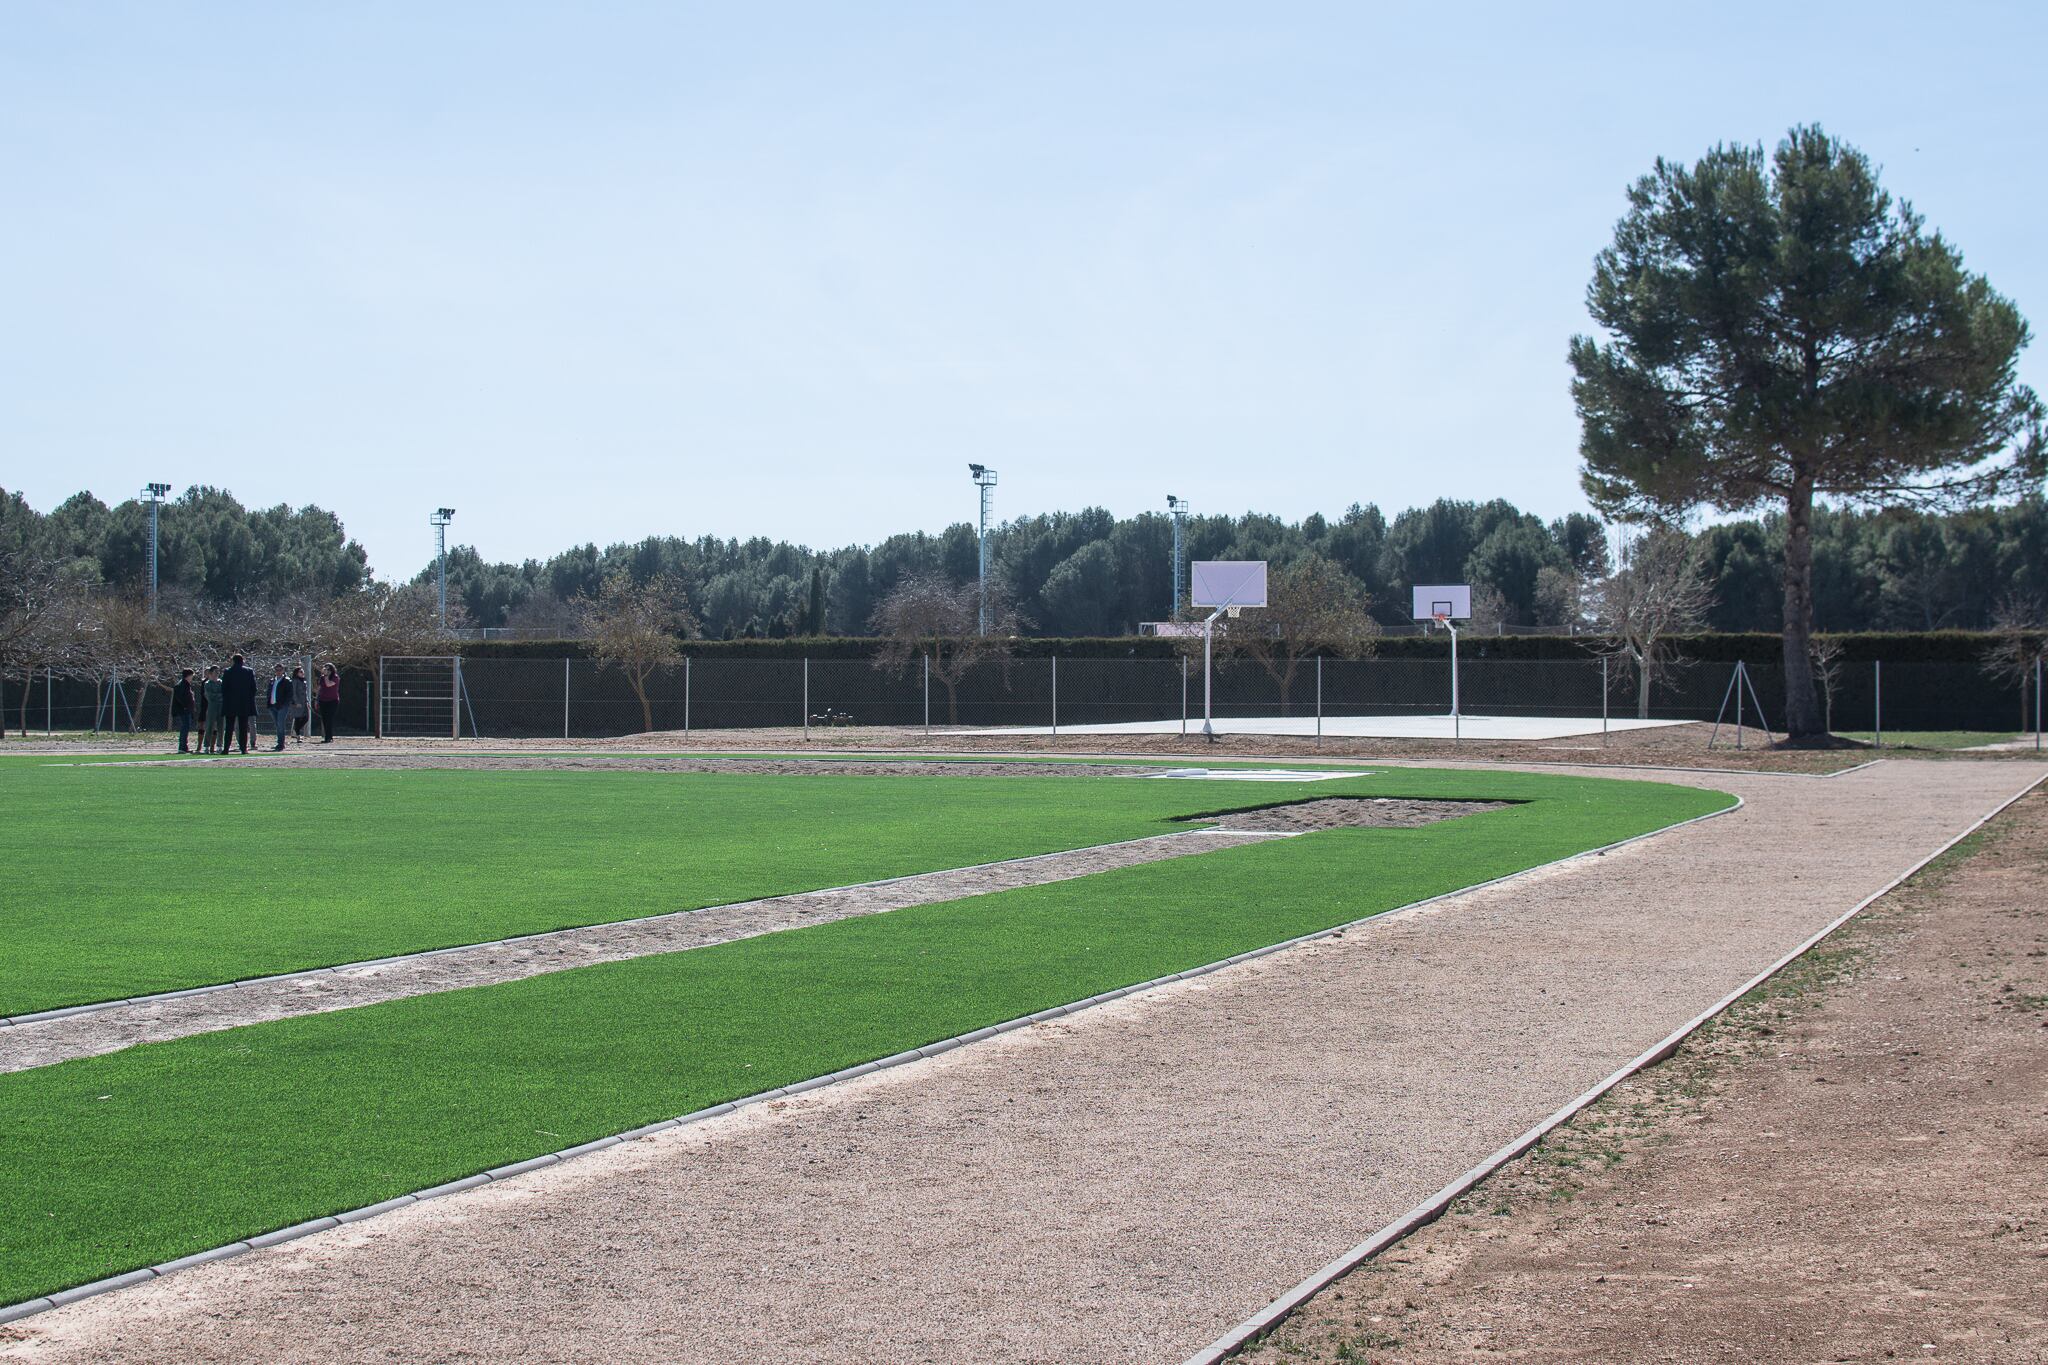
{"x":455,"y":697}
{"x":927,"y":692}
{"x":48,"y":707}
{"x":1877,"y":701}
{"x":1740,"y":678}
{"x":686,"y":694}
{"x":1319,"y":701}
{"x":1603,"y":699}
{"x":807,"y":698}
{"x":1055,"y":695}
{"x":1183,"y":696}
{"x":565,"y":697}
{"x":2037,"y":703}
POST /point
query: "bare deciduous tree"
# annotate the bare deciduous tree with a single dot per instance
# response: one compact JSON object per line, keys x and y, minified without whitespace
{"x":1489,"y":610}
{"x":2020,"y":624}
{"x":926,"y":617}
{"x":33,"y":602}
{"x":359,"y":628}
{"x":544,"y":614}
{"x":1560,"y":592}
{"x":1657,"y":591}
{"x":637,"y":629}
{"x":1827,"y":654}
{"x":1312,"y":607}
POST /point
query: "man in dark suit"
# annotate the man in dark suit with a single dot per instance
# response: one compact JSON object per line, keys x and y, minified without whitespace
{"x":238,"y":703}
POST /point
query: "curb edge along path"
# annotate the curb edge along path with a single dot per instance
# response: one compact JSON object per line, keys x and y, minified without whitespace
{"x":1260,"y":1324}
{"x":59,"y":1299}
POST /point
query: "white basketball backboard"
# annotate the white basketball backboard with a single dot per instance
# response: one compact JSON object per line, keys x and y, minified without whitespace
{"x":1443,"y":599}
{"x":1229,"y":583}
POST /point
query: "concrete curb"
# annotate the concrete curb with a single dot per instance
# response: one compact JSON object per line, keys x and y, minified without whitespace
{"x":1253,"y":1328}
{"x":905,"y":1058}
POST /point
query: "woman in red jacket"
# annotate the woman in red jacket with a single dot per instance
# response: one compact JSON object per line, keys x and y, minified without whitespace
{"x":330,"y":701}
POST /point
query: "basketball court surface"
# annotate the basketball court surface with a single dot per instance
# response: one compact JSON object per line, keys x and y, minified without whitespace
{"x":1356,"y":727}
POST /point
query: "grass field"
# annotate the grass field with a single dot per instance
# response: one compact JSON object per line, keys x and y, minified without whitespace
{"x":131,"y":880}
{"x":123,"y":1160}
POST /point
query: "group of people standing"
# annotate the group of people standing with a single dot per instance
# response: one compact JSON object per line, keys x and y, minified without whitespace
{"x":223,"y":705}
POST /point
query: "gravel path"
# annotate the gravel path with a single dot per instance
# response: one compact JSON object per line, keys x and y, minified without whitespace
{"x":43,"y":1042}
{"x":1846,"y":1168}
{"x":1122,"y":1185}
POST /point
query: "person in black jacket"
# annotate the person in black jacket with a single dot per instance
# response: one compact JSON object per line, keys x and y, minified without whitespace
{"x":238,"y":703}
{"x":278,"y":697}
{"x":181,"y":710}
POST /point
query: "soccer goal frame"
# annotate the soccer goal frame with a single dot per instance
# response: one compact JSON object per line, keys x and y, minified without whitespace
{"x":422,"y":696}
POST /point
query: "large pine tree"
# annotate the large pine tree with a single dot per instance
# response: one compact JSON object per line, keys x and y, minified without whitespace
{"x":1778,"y":328}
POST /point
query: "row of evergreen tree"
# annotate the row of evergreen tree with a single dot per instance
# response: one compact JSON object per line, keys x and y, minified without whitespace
{"x":1086,"y":573}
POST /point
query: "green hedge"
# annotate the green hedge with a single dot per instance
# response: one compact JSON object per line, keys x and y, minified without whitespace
{"x":1943,"y":646}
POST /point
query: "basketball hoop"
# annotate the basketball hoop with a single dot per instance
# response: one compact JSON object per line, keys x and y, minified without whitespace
{"x":1232,"y":612}
{"x":1442,"y":619}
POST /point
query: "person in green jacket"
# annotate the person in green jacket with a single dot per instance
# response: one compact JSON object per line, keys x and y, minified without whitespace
{"x":213,"y":736}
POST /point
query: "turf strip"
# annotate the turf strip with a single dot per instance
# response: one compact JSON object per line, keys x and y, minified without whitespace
{"x":130,"y":881}
{"x":133,"y":1158}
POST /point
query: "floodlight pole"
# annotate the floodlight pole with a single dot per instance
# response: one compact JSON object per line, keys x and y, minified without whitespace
{"x":439,"y":521}
{"x":1178,"y":509}
{"x":985,"y":480}
{"x":153,"y":494}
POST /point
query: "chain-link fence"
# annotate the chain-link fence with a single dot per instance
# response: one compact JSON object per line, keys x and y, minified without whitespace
{"x":579,"y":699}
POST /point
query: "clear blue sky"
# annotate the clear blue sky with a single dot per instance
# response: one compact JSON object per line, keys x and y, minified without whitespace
{"x":596,"y":271}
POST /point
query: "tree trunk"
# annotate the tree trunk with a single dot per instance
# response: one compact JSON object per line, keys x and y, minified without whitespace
{"x":1643,"y":686}
{"x":1803,"y":719}
{"x":952,"y":700}
{"x":646,"y":706}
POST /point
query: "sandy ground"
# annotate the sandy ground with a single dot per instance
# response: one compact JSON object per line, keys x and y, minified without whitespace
{"x":43,"y":1042}
{"x":1122,"y":1185}
{"x":1845,"y":1168}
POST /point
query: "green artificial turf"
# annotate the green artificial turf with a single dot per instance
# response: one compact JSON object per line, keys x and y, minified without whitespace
{"x":131,"y":880}
{"x":161,"y":1150}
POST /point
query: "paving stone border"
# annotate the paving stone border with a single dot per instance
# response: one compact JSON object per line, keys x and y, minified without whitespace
{"x":1261,"y":1323}
{"x":47,"y":1302}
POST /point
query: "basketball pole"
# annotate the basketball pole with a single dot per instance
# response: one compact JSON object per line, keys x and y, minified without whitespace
{"x":1208,"y":653}
{"x":1457,"y":726}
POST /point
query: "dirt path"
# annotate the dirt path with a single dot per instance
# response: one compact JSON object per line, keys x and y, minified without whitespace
{"x":1848,"y":1167}
{"x":154,"y":1019}
{"x":1122,"y":1185}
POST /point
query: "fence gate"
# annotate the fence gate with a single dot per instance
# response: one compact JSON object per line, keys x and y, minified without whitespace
{"x":419,"y":696}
